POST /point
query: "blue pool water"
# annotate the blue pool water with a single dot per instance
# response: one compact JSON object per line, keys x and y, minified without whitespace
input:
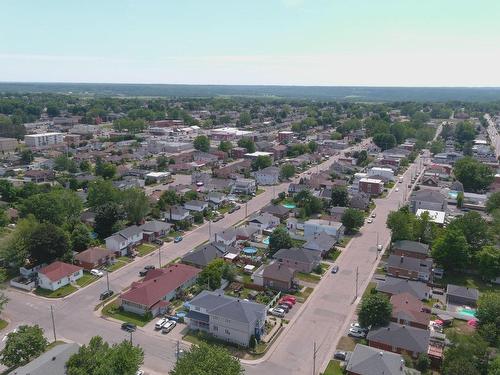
{"x":265,"y":241}
{"x":289,"y":205}
{"x":250,"y":250}
{"x":453,"y":194}
{"x":468,"y":312}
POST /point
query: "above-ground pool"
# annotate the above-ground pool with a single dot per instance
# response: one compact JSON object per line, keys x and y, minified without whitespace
{"x":250,"y":250}
{"x":468,"y":312}
{"x":453,"y":194}
{"x":289,"y":205}
{"x":180,"y":314}
{"x":265,"y":241}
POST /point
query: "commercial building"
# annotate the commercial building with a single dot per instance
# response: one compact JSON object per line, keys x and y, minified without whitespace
{"x":44,"y":140}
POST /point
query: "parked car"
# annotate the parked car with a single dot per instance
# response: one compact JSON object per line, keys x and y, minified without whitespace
{"x":96,"y":272}
{"x":158,"y":242}
{"x":357,"y":334}
{"x":169,"y":325}
{"x":335,"y":269}
{"x":292,"y":299}
{"x":139,"y":372}
{"x":129,"y":327}
{"x":358,"y":327}
{"x":285,"y":302}
{"x":369,"y":220}
{"x":106,"y":294}
{"x":374,"y":214}
{"x":149,"y":267}
{"x":284,"y":307}
{"x":280,"y":313}
{"x":217,"y":218}
{"x":143,"y":273}
{"x":177,"y":239}
{"x":340,"y":355}
{"x":160,"y":323}
{"x":397,"y":189}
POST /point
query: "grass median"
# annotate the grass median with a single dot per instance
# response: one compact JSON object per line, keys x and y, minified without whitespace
{"x":113,"y":310}
{"x":59,"y":293}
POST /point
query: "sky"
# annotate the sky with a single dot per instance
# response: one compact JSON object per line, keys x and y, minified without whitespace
{"x":283,"y":42}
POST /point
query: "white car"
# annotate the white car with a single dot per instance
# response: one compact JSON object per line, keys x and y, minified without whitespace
{"x":160,"y":323}
{"x":369,"y":221}
{"x":397,"y":189}
{"x":357,"y":326}
{"x":279,"y":312}
{"x":353,"y":332}
{"x":168,"y":326}
{"x":95,"y":272}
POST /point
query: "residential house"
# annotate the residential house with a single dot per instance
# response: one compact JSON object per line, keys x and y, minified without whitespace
{"x":52,"y":362}
{"x":316,"y":226}
{"x":398,"y":338}
{"x":430,"y":181}
{"x":371,"y":186}
{"x":196,"y":206}
{"x":177,"y":213}
{"x":294,"y":188}
{"x":39,"y":176}
{"x":58,"y":274}
{"x":247,"y":233}
{"x":360,"y":201}
{"x":427,"y":199}
{"x":204,"y":254}
{"x":321,"y":242}
{"x":227,"y":318}
{"x":337,"y":212}
{"x":394,"y":285}
{"x":277,"y":210}
{"x":365,"y":360}
{"x":298,"y":258}
{"x":386,"y":173}
{"x":153,"y":230}
{"x":412,"y":249}
{"x":461,"y":295}
{"x":244,"y":186}
{"x":122,"y":242}
{"x":263,"y":221}
{"x":226,"y":237}
{"x":409,"y":310}
{"x":279,"y":276}
{"x":411,"y":268}
{"x":216,"y":199}
{"x":88,"y":217}
{"x":158,"y":288}
{"x":94,"y":257}
{"x":267,"y":176}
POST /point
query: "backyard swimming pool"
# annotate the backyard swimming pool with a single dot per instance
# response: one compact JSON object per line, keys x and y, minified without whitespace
{"x":289,"y":205}
{"x":265,"y":241}
{"x":250,"y":250}
{"x":468,"y":312}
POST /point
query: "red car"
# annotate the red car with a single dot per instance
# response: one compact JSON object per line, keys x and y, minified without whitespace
{"x":285,"y":302}
{"x":292,"y":299}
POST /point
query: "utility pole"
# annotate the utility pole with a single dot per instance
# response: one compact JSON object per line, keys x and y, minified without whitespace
{"x":107,"y":280}
{"x":314,"y":358}
{"x":130,"y":337}
{"x":53,"y":322}
{"x":159,"y":257}
{"x":177,"y":351}
{"x":246,"y":209}
{"x":376,"y":250}
{"x":209,"y":230}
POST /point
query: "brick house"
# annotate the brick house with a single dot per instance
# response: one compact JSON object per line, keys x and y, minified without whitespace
{"x":398,"y":338}
{"x":412,"y":249}
{"x":411,"y":268}
{"x":94,"y":257}
{"x":409,"y":310}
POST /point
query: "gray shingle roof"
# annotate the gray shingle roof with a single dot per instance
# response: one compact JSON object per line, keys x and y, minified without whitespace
{"x":278,"y":271}
{"x":320,"y":242}
{"x":394,"y":285}
{"x":52,"y":362}
{"x":155,"y":226}
{"x":297,"y":254}
{"x":412,"y":246}
{"x":462,"y":291}
{"x":409,"y":338}
{"x":203,"y":255}
{"x":228,"y":307}
{"x":409,"y":263}
{"x":365,"y":360}
{"x":427,"y":195}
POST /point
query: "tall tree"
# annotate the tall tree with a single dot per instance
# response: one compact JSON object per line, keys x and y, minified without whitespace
{"x":353,"y":219}
{"x":488,"y":262}
{"x":279,"y":239}
{"x":22,"y":345}
{"x":211,"y":275}
{"x":107,"y":219}
{"x":287,"y":171}
{"x":225,"y":146}
{"x":474,"y":175}
{"x":474,"y":228}
{"x":340,"y":196}
{"x":80,"y":238}
{"x":450,"y":250}
{"x":105,"y":170}
{"x":384,"y":141}
{"x":101,"y":191}
{"x":202,"y":143}
{"x":493,"y":202}
{"x":247,"y":143}
{"x":261,"y":162}
{"x":135,"y":204}
{"x":375,"y":311}
{"x":47,"y":243}
{"x":207,"y":360}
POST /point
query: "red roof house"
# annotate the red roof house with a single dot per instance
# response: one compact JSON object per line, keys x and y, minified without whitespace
{"x":58,"y":274}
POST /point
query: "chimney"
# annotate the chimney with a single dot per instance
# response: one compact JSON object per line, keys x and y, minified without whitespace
{"x":381,"y":354}
{"x":402,"y":259}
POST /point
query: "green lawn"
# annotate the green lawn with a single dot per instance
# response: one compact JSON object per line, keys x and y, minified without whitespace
{"x":112,"y":310}
{"x":333,"y":368}
{"x":59,"y":293}
{"x":117,"y":265}
{"x":54,"y":344}
{"x":259,"y":191}
{"x":471,"y":281}
{"x":303,"y":295}
{"x":86,"y":279}
{"x":3,"y":324}
{"x":308,"y":277}
{"x":344,"y":241}
{"x":371,"y":285}
{"x":145,"y":248}
{"x":197,"y":338}
{"x":333,"y":255}
{"x":175,"y":233}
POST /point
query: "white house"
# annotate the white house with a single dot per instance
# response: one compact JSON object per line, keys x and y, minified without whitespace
{"x":122,"y":241}
{"x":177,"y":213}
{"x":387,"y":173}
{"x":226,"y":237}
{"x":58,"y":274}
{"x":264,"y":221}
{"x":197,"y":206}
{"x":316,"y":226}
{"x":267,"y":176}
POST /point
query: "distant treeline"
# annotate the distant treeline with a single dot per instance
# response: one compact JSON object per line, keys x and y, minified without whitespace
{"x":355,"y":94}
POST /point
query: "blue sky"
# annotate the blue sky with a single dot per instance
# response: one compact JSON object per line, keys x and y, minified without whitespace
{"x":297,"y":42}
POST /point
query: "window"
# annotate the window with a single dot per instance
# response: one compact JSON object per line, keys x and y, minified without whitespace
{"x":216,"y":329}
{"x":226,"y":331}
{"x":197,"y":308}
